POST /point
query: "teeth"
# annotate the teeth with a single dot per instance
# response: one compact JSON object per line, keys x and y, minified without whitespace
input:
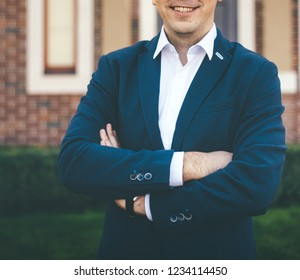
{"x":183,"y":9}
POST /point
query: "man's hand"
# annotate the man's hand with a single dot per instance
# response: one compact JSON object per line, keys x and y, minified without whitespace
{"x":109,"y":138}
{"x":138,"y":205}
{"x":197,"y":165}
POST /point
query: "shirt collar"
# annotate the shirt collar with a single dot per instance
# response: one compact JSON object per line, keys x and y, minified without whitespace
{"x":206,"y":43}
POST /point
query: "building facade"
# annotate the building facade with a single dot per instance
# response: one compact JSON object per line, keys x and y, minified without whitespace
{"x":48,"y":51}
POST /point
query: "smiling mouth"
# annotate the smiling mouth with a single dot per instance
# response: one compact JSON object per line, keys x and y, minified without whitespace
{"x":183,"y":9}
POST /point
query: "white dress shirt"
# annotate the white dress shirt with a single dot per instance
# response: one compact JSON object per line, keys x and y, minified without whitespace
{"x":175,"y":80}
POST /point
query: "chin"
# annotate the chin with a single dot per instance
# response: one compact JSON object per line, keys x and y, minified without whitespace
{"x":182,"y":29}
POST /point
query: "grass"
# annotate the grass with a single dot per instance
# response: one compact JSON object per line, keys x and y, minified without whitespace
{"x":278,"y":234}
{"x":76,"y":235}
{"x":51,"y":236}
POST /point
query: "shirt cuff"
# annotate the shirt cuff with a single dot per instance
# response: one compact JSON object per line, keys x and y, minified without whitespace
{"x":147,"y":207}
{"x":176,"y":166}
{"x":175,"y":179}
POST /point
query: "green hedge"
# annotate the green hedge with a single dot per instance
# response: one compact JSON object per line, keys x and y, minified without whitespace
{"x":28,"y":182}
{"x":289,"y":190}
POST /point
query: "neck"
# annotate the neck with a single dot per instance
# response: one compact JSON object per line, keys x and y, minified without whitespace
{"x":183,"y":41}
{"x":182,"y":53}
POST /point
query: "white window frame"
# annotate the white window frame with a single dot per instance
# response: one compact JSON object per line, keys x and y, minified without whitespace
{"x":40,"y":83}
{"x":147,"y":20}
{"x":289,"y":82}
{"x":246,"y":23}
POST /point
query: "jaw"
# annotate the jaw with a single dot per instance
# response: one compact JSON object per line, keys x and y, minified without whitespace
{"x":184,"y":19}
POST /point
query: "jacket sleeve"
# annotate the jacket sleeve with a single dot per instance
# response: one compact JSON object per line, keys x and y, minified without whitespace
{"x":247,"y":186}
{"x":86,"y":167}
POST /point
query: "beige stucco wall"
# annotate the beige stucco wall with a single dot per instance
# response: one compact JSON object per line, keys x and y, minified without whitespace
{"x":277,"y":32}
{"x":117,"y":31}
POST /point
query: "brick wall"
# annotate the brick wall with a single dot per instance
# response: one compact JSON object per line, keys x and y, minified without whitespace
{"x":292,"y":101}
{"x":135,"y":21}
{"x":291,"y":116}
{"x":34,"y":119}
{"x":42,"y":119}
{"x":26,"y":119}
{"x":98,"y":29}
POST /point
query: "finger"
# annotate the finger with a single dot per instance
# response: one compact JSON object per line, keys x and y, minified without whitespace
{"x":109,"y":130}
{"x":112,"y":136}
{"x":105,"y":143}
{"x":104,"y":139}
{"x":116,"y":139}
{"x":103,"y":135}
{"x":115,"y":134}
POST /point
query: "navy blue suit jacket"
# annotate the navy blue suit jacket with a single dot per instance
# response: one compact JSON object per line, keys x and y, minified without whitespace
{"x":233,"y":104}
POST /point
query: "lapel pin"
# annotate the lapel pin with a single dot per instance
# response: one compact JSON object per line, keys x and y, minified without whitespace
{"x":219,"y":56}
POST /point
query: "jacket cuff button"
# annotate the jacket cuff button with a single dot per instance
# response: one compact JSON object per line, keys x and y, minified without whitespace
{"x":133,"y":177}
{"x":148,"y":176}
{"x":140,"y":177}
{"x":173,"y":219}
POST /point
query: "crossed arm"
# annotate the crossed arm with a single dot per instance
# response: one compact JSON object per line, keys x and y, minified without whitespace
{"x":196,"y":165}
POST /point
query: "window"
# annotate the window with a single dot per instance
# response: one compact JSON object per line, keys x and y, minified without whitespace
{"x":226,"y":18}
{"x":117,"y":24}
{"x":277,"y":34}
{"x":277,"y":40}
{"x":66,"y":52}
{"x":60,"y":36}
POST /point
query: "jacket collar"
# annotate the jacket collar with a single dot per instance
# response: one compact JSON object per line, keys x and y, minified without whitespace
{"x":205,"y":79}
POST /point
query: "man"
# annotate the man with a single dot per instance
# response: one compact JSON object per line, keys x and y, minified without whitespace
{"x":192,"y":143}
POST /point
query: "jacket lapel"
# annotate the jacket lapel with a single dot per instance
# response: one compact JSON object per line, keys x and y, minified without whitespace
{"x":206,"y":78}
{"x":149,"y":86}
